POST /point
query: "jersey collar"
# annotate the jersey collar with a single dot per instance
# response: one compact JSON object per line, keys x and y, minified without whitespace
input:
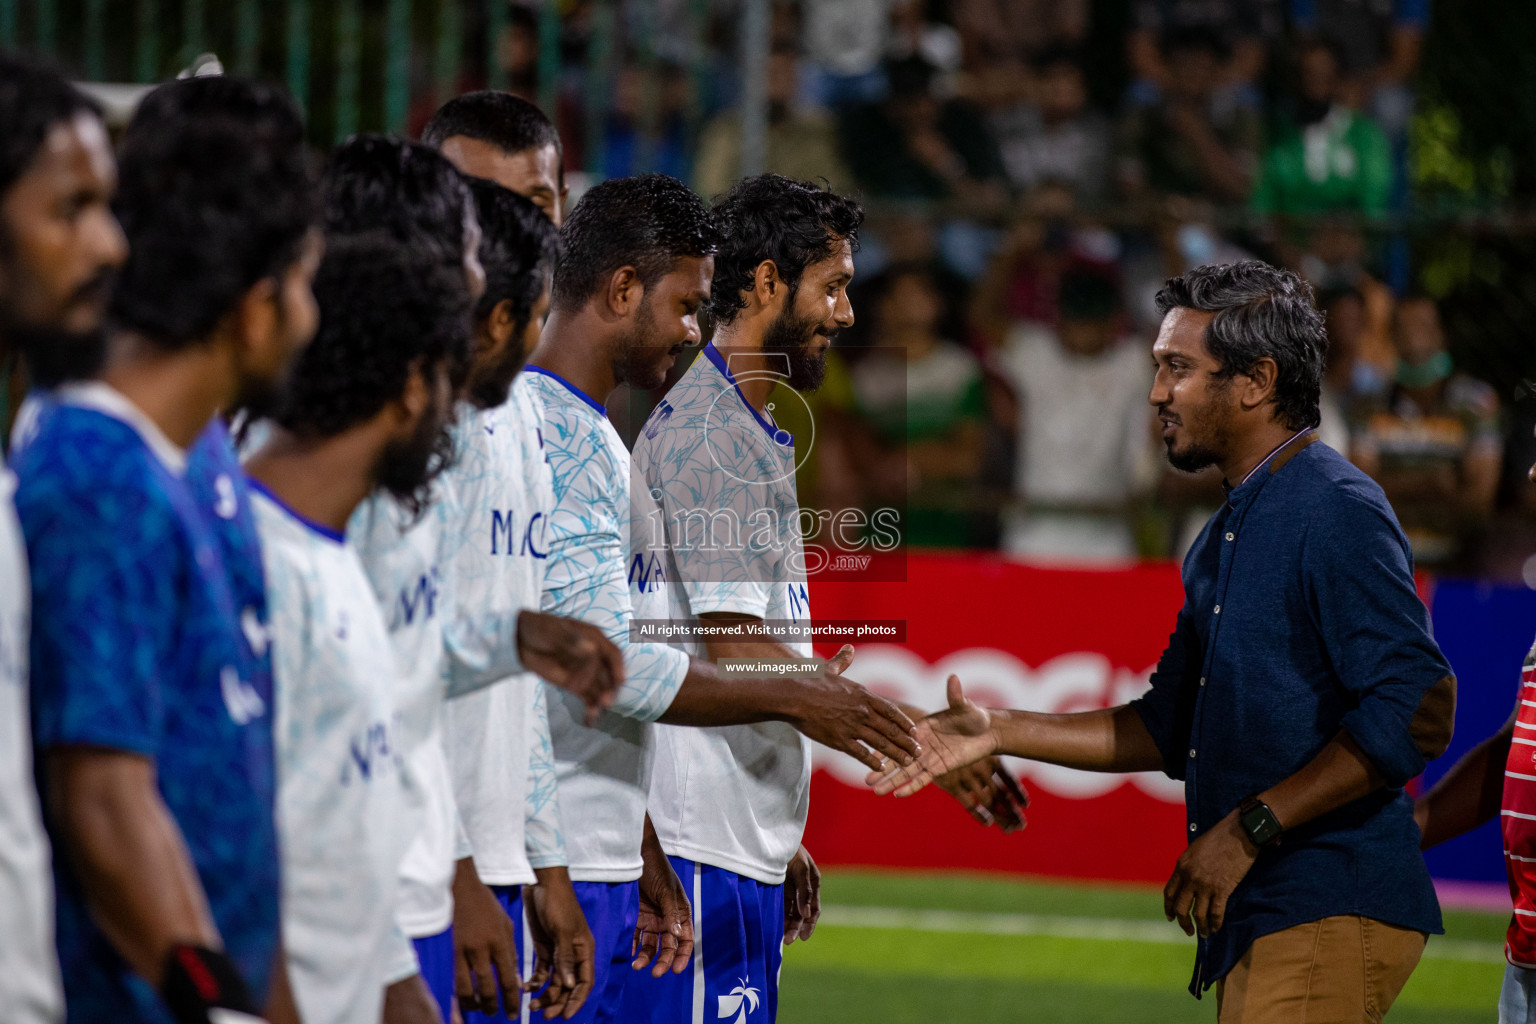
{"x":107,"y":400}
{"x":309,"y":524}
{"x":780,"y":436}
{"x":602,"y":410}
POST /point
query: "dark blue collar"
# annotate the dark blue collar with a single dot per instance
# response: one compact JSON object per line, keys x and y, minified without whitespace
{"x":304,"y":521}
{"x":602,"y":410}
{"x":1271,"y":464}
{"x":779,"y":436}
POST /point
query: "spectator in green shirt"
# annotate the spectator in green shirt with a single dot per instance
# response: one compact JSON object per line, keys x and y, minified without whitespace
{"x":1330,"y":158}
{"x":921,"y":398}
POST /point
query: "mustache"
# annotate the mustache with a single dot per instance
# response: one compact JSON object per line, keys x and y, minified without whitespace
{"x":95,"y":288}
{"x":1172,"y":417}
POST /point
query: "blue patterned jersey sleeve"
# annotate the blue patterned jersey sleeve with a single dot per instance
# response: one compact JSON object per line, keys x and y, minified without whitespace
{"x":106,"y":612}
{"x":545,"y":843}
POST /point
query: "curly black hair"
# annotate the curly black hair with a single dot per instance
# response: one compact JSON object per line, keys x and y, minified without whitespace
{"x":215,"y":193}
{"x":508,"y":122}
{"x":33,"y":98}
{"x":771,"y":217}
{"x":406,"y":189}
{"x":519,"y":247}
{"x":384,"y":311}
{"x":1262,"y":312}
{"x":647,"y":222}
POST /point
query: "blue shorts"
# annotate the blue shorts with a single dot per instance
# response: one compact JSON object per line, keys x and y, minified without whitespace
{"x":738,"y":932}
{"x":611,"y":909}
{"x":435,"y":955}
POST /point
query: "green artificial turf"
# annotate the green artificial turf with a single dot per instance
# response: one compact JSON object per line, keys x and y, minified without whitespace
{"x":852,"y":973}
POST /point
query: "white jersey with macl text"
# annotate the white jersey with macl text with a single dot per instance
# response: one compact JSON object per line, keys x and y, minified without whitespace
{"x":340,"y":796}
{"x":452,"y":643}
{"x":603,"y":771}
{"x":30,"y":990}
{"x":497,"y":501}
{"x":736,"y":796}
{"x":399,"y":553}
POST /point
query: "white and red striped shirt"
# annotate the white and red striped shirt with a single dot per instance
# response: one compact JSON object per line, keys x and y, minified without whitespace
{"x":1518,"y":820}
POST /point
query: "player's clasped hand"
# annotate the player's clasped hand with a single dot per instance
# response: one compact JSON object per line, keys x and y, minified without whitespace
{"x":845,"y":716}
{"x":572,"y":655}
{"x":664,"y":930}
{"x":802,"y":897}
{"x":989,"y":792}
{"x":1205,"y":876}
{"x":563,"y":949}
{"x":951,"y":739}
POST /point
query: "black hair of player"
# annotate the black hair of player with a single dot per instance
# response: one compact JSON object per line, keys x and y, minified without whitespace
{"x":1262,"y":312}
{"x":406,"y":189}
{"x":384,"y":311}
{"x":647,"y":222}
{"x":519,"y":248}
{"x":500,"y":119}
{"x":770,"y":217}
{"x":215,"y":193}
{"x":34,"y":97}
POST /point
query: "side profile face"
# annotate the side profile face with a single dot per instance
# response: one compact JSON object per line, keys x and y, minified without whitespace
{"x":1194,"y":404}
{"x":819,"y":309}
{"x":667,"y":320}
{"x":423,"y":444}
{"x":532,"y":173}
{"x":59,"y":242}
{"x":507,"y":350}
{"x":284,"y":323}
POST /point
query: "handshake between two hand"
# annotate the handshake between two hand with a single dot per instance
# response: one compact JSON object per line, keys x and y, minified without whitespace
{"x":955,"y":748}
{"x":958,"y":751}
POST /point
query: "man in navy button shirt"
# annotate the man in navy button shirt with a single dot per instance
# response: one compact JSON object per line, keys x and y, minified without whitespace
{"x":1300,"y":689}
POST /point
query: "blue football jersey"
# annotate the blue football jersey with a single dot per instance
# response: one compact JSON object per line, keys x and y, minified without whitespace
{"x":137,"y":646}
{"x":222,"y":492}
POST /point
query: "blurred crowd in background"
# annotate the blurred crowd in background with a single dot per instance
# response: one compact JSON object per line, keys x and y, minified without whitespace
{"x":1033,"y":171}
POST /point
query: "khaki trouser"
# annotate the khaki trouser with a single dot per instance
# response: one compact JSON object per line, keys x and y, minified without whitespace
{"x":1340,"y":970}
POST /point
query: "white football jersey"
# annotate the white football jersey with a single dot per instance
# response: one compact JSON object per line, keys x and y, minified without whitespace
{"x":603,"y":771}
{"x":399,"y":553}
{"x":29,"y":967}
{"x":734,"y":796}
{"x":340,"y":799}
{"x":495,"y":544}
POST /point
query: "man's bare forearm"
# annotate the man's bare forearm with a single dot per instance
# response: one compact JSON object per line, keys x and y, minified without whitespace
{"x":1339,"y":774}
{"x":1469,"y":794}
{"x":143,"y":892}
{"x":1111,"y":740}
{"x":708,"y":698}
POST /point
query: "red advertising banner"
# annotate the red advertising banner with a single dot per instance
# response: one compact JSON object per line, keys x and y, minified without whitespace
{"x":1022,"y":637}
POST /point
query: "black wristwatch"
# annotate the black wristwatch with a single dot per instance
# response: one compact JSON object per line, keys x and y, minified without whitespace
{"x":1259,"y":822}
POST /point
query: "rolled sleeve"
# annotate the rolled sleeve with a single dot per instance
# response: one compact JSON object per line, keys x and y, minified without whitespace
{"x":1359,"y":580}
{"x":1162,"y":707}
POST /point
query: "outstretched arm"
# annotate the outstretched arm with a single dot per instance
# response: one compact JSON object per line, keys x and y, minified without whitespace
{"x":1109,"y":740}
{"x":826,"y":708}
{"x":1470,"y":792}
